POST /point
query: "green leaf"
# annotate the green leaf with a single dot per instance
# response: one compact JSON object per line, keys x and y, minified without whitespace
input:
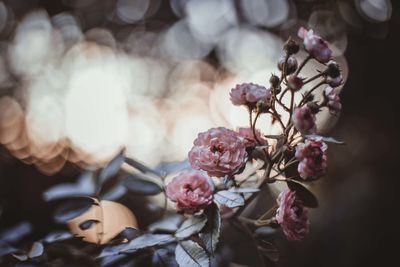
{"x":210,"y":234}
{"x":302,"y":192}
{"x":191,"y":226}
{"x":229,"y":199}
{"x":191,"y":254}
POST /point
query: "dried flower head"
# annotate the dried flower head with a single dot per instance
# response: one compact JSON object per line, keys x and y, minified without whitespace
{"x":312,"y":157}
{"x":304,"y":119}
{"x":249,"y":94}
{"x":317,"y":47}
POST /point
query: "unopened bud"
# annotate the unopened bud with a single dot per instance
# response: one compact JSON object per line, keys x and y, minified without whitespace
{"x":333,"y":70}
{"x":262,"y":106}
{"x":291,"y":64}
{"x":295,"y":82}
{"x":291,"y":46}
{"x":274,"y":81}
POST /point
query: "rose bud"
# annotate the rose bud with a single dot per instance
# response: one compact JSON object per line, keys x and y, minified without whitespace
{"x":334,"y":82}
{"x":304,"y":120}
{"x":317,"y":47}
{"x":191,"y":191}
{"x":249,"y":94}
{"x":292,"y":216}
{"x":312,"y":157}
{"x":295,"y":82}
{"x":333,"y":100}
{"x":219,"y":152}
{"x":291,"y":46}
{"x":291,"y":64}
{"x":274,"y":81}
{"x":333,"y":70}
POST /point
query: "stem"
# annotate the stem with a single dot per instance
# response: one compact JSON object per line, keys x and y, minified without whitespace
{"x":310,"y":92}
{"x":303,"y":64}
{"x":323,"y":73}
{"x":291,"y":107}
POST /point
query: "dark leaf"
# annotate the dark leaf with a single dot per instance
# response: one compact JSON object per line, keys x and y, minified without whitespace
{"x":326,"y":139}
{"x":6,"y":249}
{"x":128,"y":233}
{"x":14,"y":234}
{"x":210,"y":234}
{"x":36,"y":250}
{"x":172,"y":167}
{"x":229,"y":199}
{"x":112,"y":168}
{"x":84,"y":187}
{"x":265,"y":232}
{"x":163,"y":258}
{"x":72,"y":208}
{"x":140,"y":186}
{"x":269,"y":250}
{"x":305,"y":195}
{"x":114,"y":193}
{"x":168,"y":225}
{"x":147,"y":240}
{"x":57,"y":236}
{"x":87,"y":224}
{"x":191,"y":226}
{"x":243,"y":190}
{"x":191,"y":254}
{"x":111,"y":250}
{"x":141,"y":167}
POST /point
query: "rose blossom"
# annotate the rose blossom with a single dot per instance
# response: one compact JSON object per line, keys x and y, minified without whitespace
{"x":218,"y":151}
{"x":315,"y":45}
{"x":191,"y":191}
{"x":312,"y":157}
{"x":304,"y":119}
{"x":333,"y":98}
{"x":292,"y":216}
{"x":248,"y":137}
{"x":249,"y":94}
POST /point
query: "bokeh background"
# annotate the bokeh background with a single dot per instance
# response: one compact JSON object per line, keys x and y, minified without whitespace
{"x":81,"y":79}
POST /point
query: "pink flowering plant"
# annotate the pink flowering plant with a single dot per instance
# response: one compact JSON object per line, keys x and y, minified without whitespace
{"x":227,"y":173}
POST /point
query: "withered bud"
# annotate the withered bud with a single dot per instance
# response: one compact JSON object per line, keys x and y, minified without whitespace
{"x":291,"y":64}
{"x":313,"y":106}
{"x":333,"y":70}
{"x":291,"y":46}
{"x":262,"y":106}
{"x":274,"y":81}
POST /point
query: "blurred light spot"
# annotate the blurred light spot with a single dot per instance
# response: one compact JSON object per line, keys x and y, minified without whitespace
{"x":78,"y":3}
{"x":376,"y":10}
{"x":349,"y":14}
{"x":209,"y":20}
{"x":248,"y":50}
{"x":101,"y":36}
{"x":269,"y":13}
{"x":67,"y":25}
{"x":131,"y":11}
{"x":178,"y":7}
{"x":35,"y":35}
{"x":178,"y":43}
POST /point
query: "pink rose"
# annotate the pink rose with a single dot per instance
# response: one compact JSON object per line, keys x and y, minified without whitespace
{"x":249,"y":94}
{"x":219,"y":152}
{"x":248,"y":137}
{"x":191,"y":191}
{"x":304,"y":120}
{"x":333,"y":98}
{"x":315,"y":45}
{"x":292,"y":216}
{"x":312,"y":157}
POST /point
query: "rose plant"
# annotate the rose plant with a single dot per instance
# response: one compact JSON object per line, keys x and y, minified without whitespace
{"x":222,"y":181}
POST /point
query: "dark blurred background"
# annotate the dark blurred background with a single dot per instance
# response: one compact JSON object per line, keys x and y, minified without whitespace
{"x":356,"y":223}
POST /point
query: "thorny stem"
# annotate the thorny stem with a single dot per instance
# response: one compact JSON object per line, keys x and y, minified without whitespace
{"x":310,"y":92}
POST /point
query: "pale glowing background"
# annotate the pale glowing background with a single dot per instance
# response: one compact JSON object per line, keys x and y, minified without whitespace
{"x":85,"y":95}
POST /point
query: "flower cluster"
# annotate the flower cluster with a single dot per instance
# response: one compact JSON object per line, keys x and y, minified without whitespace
{"x":298,"y":154}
